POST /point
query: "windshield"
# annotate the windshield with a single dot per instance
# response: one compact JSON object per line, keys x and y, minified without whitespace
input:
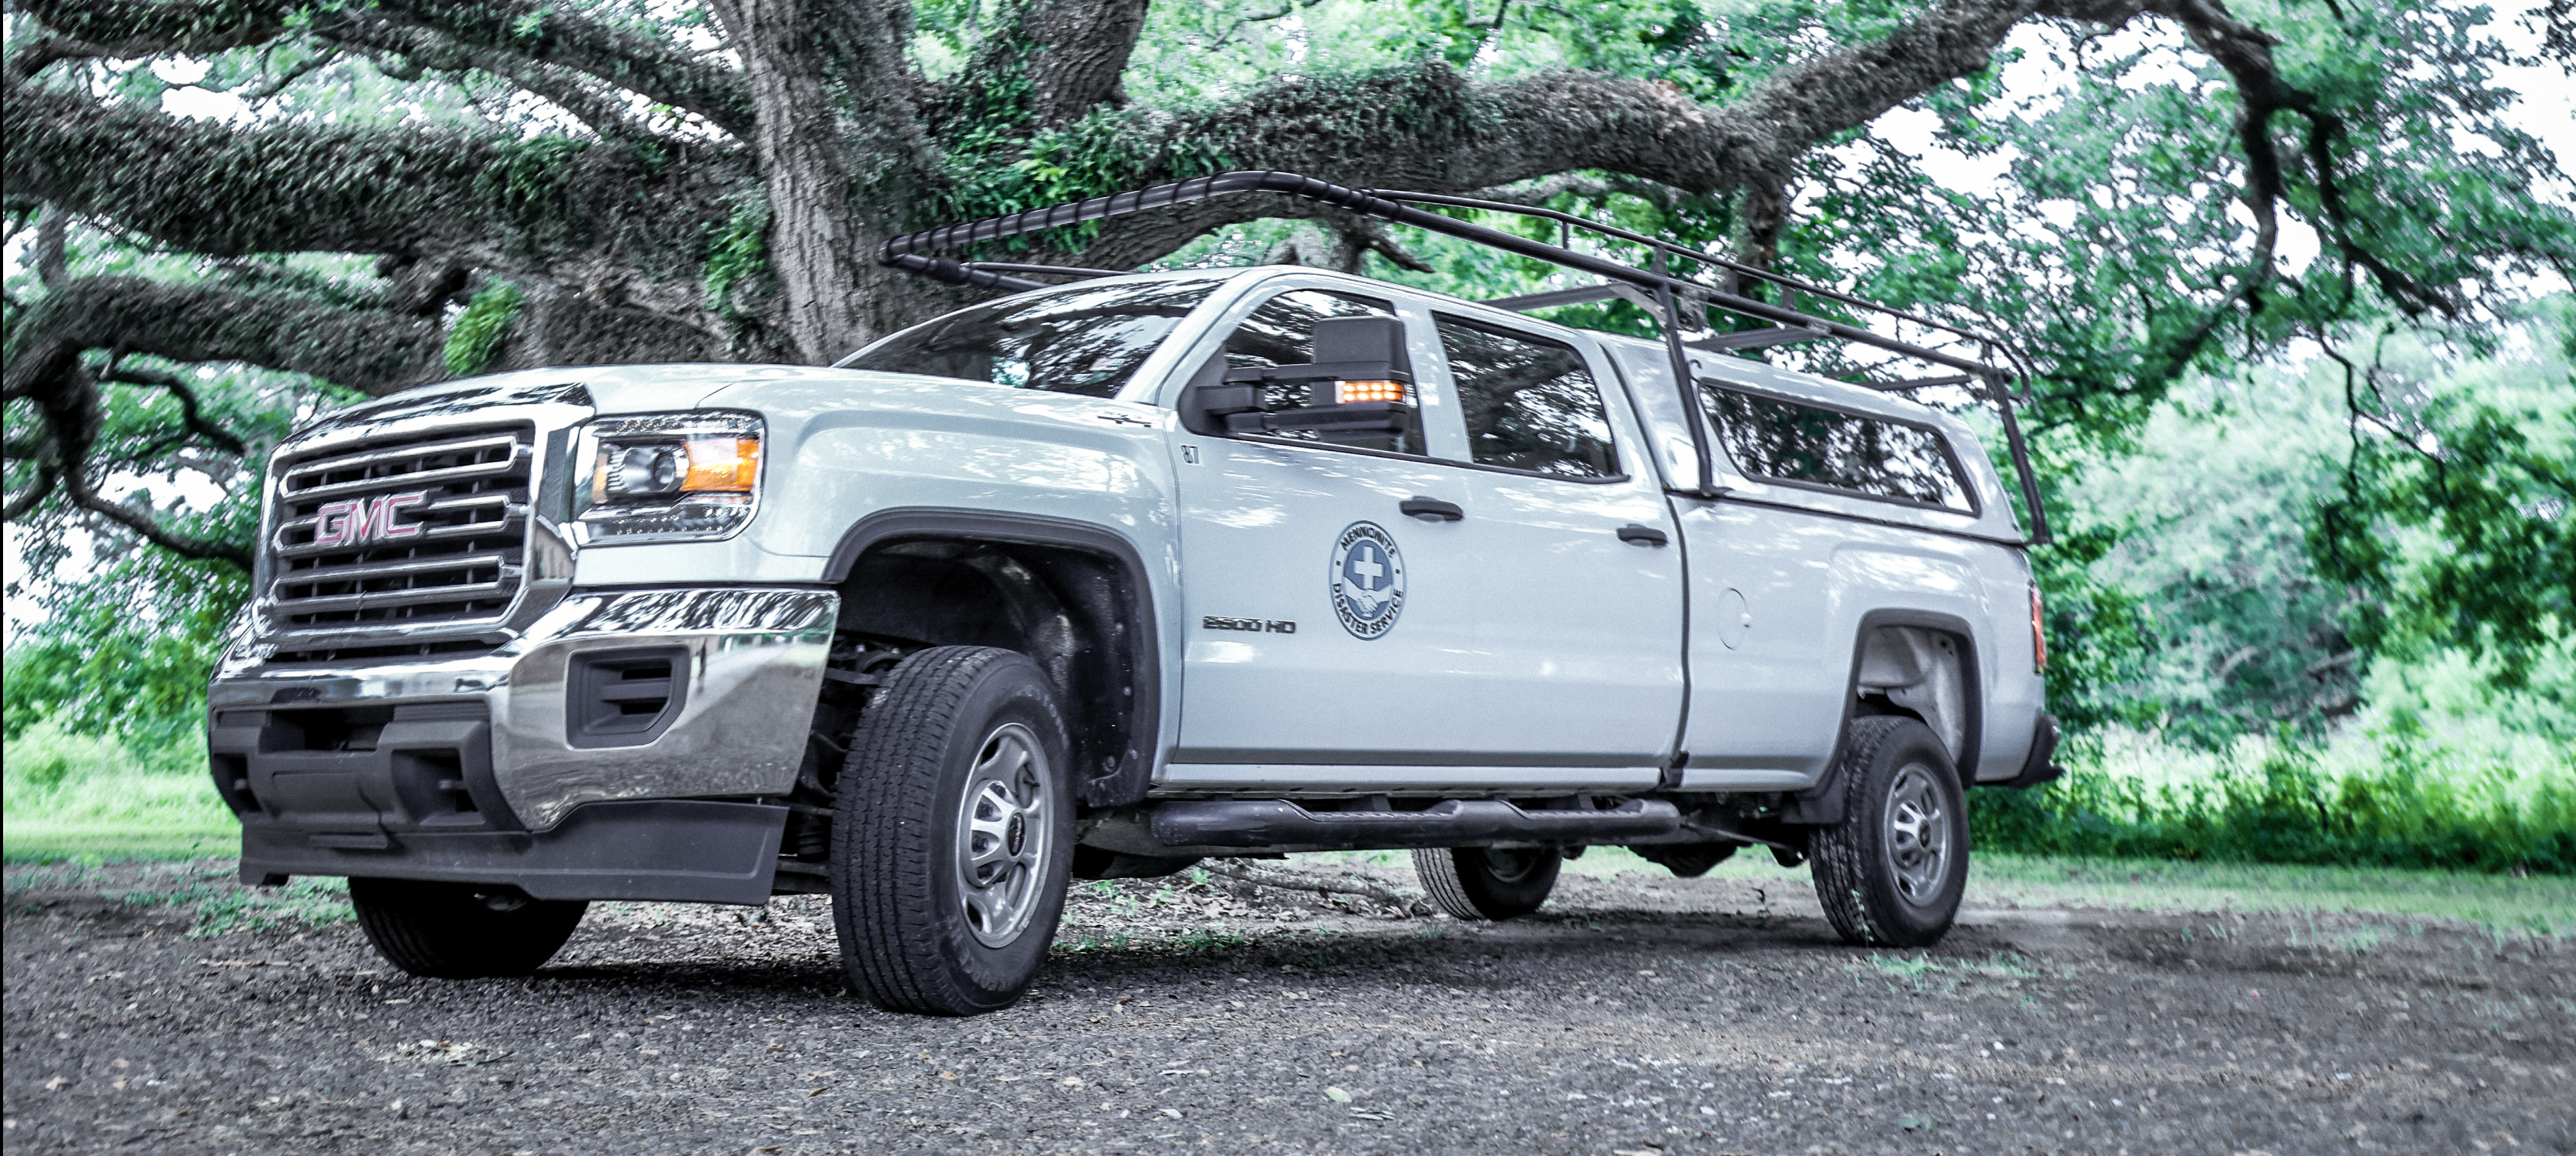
{"x":1087,"y":339}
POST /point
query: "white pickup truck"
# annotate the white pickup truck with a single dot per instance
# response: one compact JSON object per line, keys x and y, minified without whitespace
{"x":1104,"y":578}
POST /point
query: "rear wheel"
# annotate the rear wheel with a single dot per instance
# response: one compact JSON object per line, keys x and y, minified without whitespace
{"x":952,"y":836}
{"x":1487,"y":882}
{"x":461,"y":930}
{"x":1892,"y":872}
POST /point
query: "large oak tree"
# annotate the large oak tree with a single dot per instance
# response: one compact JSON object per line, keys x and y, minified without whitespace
{"x":413,"y":189}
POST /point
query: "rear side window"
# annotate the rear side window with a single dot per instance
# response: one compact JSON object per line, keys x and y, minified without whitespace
{"x":1086,"y":340}
{"x":1529,"y":402}
{"x":1807,"y":445}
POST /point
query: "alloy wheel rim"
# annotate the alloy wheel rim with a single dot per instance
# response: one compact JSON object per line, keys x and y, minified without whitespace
{"x":1916,"y":835}
{"x":1003,"y":835}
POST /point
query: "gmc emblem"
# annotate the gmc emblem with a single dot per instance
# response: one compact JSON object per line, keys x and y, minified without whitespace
{"x":360,"y":520}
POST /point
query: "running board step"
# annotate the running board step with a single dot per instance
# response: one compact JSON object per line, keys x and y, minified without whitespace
{"x":1449,"y":823}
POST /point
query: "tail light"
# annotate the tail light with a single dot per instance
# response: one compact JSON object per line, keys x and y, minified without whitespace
{"x":2038,"y":633}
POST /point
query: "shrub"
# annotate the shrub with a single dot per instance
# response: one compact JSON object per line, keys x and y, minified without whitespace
{"x":2421,"y":805}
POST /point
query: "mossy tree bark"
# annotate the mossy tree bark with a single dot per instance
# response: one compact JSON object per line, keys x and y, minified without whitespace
{"x":723,"y":199}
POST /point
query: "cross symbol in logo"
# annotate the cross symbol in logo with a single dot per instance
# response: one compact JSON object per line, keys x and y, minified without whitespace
{"x":1364,"y":569}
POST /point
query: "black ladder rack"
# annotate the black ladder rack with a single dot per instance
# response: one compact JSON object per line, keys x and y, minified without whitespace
{"x":2001,"y":370}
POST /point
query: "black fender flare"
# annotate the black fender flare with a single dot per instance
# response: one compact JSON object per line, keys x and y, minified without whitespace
{"x":1822,"y":805}
{"x":1135,"y":650}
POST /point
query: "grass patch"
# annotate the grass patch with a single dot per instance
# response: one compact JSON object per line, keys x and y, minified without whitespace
{"x":96,"y":798}
{"x":2415,"y":803}
{"x":49,"y":841}
{"x":2538,"y":904}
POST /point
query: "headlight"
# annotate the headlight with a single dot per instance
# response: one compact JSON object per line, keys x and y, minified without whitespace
{"x":671,"y":477}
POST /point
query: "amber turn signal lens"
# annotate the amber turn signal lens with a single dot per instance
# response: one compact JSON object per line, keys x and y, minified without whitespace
{"x":1359,"y":391}
{"x":722,"y":465}
{"x":2038,"y":633}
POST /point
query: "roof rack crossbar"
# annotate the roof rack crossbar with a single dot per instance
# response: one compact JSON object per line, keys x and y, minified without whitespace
{"x":1757,"y":338}
{"x":913,"y":252}
{"x":1550,"y":299}
{"x":1912,"y":382}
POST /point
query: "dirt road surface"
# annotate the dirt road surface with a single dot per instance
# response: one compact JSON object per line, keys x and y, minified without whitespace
{"x":1637,"y":1016}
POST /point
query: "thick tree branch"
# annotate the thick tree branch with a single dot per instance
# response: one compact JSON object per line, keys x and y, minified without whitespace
{"x":145,"y":526}
{"x":571,"y":91}
{"x":1076,"y":51}
{"x":1425,"y":126}
{"x":473,"y":199}
{"x":53,"y":269}
{"x":40,"y":52}
{"x":34,"y":495}
{"x":545,"y":34}
{"x":1545,"y":189}
{"x":131,"y":28}
{"x":192,"y":416}
{"x":532,"y":32}
{"x":1049,"y":65}
{"x":373,"y":352}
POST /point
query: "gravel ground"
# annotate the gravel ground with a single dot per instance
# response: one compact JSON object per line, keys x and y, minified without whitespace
{"x":159,"y":1009}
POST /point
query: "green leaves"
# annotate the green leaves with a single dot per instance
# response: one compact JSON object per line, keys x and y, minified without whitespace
{"x":479,"y":331}
{"x":2456,"y":517}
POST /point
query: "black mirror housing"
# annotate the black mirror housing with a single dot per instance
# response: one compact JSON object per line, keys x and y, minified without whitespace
{"x":1220,"y":401}
{"x":1207,"y":407}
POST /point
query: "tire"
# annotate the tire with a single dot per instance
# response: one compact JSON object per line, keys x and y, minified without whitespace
{"x":952,"y":834}
{"x":461,"y":930}
{"x":1485,"y":882}
{"x":1892,"y":872}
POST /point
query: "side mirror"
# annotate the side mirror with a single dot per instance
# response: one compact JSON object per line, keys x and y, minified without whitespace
{"x":1355,"y":386}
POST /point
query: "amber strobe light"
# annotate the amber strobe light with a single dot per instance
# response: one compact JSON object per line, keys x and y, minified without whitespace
{"x":2038,"y":633}
{"x":1359,"y":391}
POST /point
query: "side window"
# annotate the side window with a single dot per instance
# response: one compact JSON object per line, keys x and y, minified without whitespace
{"x":1529,"y":402}
{"x":1874,"y":457}
{"x":1282,"y":332}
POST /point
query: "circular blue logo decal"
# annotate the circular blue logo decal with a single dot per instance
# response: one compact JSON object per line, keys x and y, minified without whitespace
{"x":1367,"y":580}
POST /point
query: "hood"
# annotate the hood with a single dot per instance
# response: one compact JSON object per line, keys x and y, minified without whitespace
{"x":606,"y":389}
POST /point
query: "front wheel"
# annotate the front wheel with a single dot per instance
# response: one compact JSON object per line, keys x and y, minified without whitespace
{"x":952,"y":835}
{"x":461,"y":930}
{"x":1892,"y":872}
{"x":1487,"y":882}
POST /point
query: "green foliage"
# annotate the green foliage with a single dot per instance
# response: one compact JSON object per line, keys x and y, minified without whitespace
{"x":116,"y":663}
{"x":110,"y":636}
{"x":55,"y":777}
{"x":2419,"y":808}
{"x":2100,"y":640}
{"x":2456,"y":516}
{"x":737,"y":276}
{"x":530,"y":182}
{"x":477,"y":336}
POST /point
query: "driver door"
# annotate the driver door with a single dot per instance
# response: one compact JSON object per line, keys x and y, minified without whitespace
{"x":1325,"y":630}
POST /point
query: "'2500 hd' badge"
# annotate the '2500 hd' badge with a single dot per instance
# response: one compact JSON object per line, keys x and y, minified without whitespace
{"x":1367,"y":580}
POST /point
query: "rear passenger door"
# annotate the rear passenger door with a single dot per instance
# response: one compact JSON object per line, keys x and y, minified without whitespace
{"x":1579,"y":629}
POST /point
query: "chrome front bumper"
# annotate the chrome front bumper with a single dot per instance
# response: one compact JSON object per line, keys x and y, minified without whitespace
{"x":361,"y":757}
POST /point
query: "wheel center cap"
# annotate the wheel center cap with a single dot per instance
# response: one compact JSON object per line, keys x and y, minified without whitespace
{"x":1017,"y":835}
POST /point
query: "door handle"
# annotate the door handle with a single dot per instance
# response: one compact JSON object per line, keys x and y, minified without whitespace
{"x":1431,"y":509}
{"x":1643,"y":535}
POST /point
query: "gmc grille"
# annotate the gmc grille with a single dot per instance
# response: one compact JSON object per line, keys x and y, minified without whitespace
{"x":424,"y":530}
